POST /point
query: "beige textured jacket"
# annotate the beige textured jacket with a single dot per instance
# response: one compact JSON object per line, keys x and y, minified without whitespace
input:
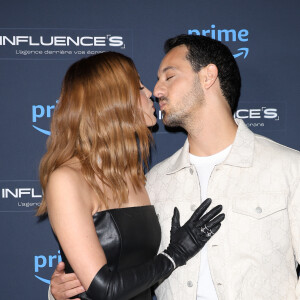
{"x":254,"y":254}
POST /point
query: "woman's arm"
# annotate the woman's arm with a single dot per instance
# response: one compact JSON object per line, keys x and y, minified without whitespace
{"x":70,"y":214}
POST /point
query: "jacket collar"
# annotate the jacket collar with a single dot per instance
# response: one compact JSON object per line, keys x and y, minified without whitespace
{"x":241,"y":153}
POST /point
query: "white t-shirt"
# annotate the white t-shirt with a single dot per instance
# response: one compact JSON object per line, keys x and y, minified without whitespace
{"x":204,"y":166}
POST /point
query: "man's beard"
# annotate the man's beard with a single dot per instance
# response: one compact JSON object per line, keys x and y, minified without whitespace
{"x":173,"y":119}
{"x":181,"y":117}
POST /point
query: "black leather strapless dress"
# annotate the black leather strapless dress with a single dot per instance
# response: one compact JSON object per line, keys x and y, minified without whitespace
{"x":129,"y":236}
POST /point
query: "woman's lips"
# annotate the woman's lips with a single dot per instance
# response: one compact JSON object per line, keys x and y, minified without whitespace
{"x":161,"y":105}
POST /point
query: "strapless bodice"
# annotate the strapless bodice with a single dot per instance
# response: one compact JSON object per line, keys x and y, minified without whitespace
{"x":129,"y":236}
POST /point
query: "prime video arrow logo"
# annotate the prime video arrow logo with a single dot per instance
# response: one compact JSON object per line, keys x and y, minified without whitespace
{"x":40,"y":113}
{"x":226,"y":35}
{"x":44,"y":266}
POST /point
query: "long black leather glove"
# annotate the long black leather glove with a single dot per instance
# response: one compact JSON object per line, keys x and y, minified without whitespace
{"x":186,"y":241}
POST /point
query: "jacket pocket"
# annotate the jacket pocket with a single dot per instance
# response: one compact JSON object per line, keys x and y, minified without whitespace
{"x":261,"y":205}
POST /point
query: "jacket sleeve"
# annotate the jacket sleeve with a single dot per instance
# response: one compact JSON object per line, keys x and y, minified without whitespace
{"x":50,"y":297}
{"x":294,"y":216}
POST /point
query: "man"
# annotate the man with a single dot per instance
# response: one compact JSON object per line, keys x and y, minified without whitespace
{"x":254,"y":254}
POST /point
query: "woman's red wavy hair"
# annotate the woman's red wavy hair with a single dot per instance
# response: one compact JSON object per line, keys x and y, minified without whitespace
{"x":99,"y":120}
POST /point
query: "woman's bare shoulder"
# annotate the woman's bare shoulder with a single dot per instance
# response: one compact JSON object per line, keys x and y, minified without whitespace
{"x":65,"y":177}
{"x":67,"y":184}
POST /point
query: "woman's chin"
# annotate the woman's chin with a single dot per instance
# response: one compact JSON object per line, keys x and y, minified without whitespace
{"x":152,"y":125}
{"x":151,"y":122}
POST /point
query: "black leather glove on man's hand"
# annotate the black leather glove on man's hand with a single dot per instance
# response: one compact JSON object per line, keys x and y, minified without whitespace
{"x":188,"y":240}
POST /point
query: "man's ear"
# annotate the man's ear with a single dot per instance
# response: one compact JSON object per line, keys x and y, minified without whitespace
{"x":208,"y":75}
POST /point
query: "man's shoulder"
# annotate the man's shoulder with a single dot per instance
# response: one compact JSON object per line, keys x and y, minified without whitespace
{"x":268,"y":146}
{"x":163,"y":167}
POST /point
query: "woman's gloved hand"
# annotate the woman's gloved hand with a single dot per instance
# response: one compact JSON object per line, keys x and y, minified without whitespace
{"x":189,"y":239}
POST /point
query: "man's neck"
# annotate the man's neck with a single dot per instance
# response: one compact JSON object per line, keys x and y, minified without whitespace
{"x":211,"y":135}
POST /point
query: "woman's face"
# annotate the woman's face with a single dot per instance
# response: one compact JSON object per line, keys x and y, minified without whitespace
{"x":147,"y":106}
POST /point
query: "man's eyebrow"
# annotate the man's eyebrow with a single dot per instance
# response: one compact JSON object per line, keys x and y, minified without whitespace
{"x":166,"y":69}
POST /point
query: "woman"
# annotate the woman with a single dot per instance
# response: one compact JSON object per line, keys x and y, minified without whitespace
{"x":94,"y":185}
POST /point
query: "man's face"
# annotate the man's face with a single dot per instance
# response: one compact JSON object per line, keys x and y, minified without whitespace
{"x":178,"y":88}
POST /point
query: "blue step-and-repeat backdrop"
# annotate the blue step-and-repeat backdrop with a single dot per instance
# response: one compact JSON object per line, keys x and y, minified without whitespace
{"x":40,"y":39}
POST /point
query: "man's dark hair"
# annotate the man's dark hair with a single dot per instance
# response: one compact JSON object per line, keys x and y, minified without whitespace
{"x":202,"y":51}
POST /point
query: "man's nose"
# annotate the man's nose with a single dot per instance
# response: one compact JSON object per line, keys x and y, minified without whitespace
{"x":159,"y":90}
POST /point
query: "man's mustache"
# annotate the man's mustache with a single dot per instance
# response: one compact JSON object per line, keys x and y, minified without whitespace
{"x":162,"y":99}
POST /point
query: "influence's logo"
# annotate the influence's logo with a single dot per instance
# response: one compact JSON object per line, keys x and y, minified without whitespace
{"x":226,"y":35}
{"x":257,"y":113}
{"x":20,"y":195}
{"x":76,"y":41}
{"x":39,"y":114}
{"x":62,"y":44}
{"x":44,"y":266}
{"x":268,"y":117}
